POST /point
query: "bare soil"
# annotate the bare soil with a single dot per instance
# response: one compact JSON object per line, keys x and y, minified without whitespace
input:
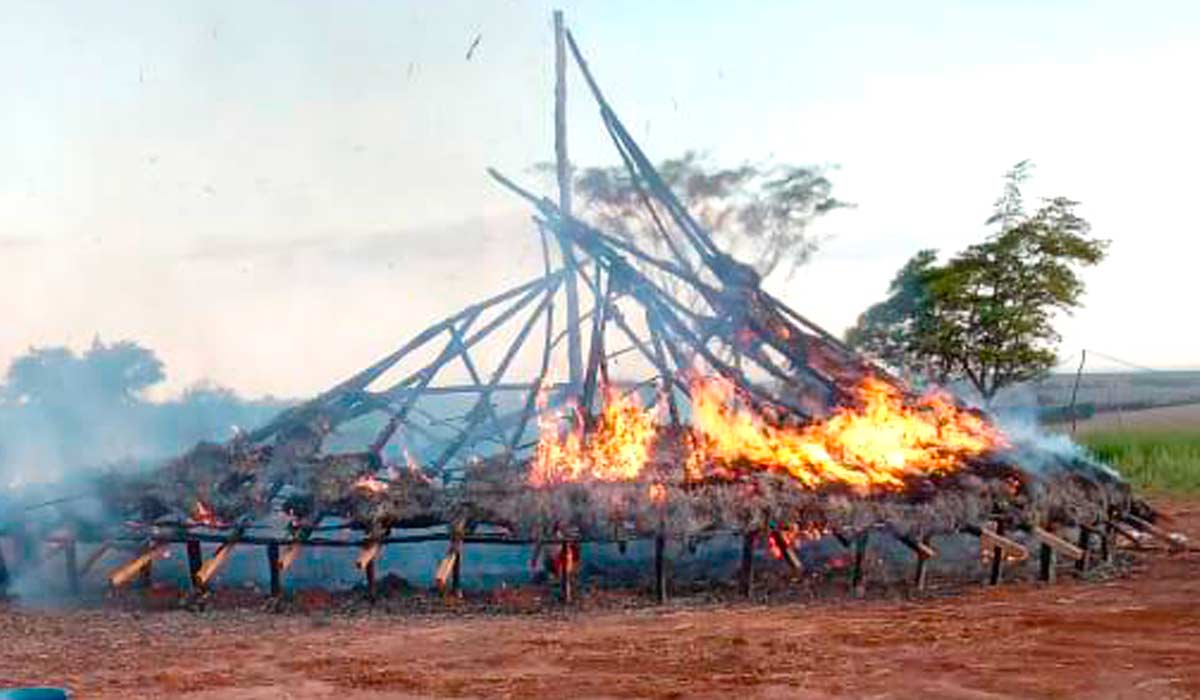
{"x":1133,"y":637}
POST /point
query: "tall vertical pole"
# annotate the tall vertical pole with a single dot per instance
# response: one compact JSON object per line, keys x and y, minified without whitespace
{"x":574,"y":342}
{"x":1075,"y":389}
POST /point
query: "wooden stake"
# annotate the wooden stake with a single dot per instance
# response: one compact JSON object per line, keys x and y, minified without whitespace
{"x":274,"y":569}
{"x":456,"y":572}
{"x":858,"y":573}
{"x":1048,"y":562}
{"x":372,"y":589}
{"x":565,"y":565}
{"x":195,"y":558}
{"x":997,"y":559}
{"x":786,"y":551}
{"x":660,"y":568}
{"x":1085,"y":545}
{"x":747,"y":574}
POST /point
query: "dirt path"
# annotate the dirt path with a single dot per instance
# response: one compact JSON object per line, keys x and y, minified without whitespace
{"x":1138,"y":637}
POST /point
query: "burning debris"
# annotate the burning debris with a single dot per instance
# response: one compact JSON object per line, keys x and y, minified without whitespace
{"x":745,"y":418}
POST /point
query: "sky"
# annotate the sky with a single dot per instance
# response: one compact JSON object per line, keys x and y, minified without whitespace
{"x":272,"y":195}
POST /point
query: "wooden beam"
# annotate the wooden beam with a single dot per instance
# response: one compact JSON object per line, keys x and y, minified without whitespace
{"x":1057,"y":543}
{"x":1085,"y":545}
{"x":990,"y":537}
{"x":786,"y":551}
{"x":208,"y":570}
{"x":125,"y":573}
{"x":1173,"y":540}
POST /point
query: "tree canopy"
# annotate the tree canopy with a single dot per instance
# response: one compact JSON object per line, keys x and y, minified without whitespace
{"x":759,"y":214}
{"x":987,"y":314}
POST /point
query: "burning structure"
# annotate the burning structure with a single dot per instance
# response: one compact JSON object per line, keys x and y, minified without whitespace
{"x":693,"y":402}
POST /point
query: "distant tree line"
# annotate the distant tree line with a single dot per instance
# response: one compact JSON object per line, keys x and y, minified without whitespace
{"x":61,"y":410}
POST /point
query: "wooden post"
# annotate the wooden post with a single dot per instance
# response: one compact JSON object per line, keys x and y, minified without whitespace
{"x":660,"y":568}
{"x":1047,"y":561}
{"x":747,"y":577}
{"x":72,"y":566}
{"x":146,"y":582}
{"x":574,"y":341}
{"x":195,"y":558}
{"x":565,"y":564}
{"x":1107,"y":543}
{"x":997,"y":559}
{"x":372,"y":589}
{"x":922,"y":576}
{"x":456,"y":571}
{"x":273,"y":567}
{"x":857,"y":573}
{"x":1085,"y":543}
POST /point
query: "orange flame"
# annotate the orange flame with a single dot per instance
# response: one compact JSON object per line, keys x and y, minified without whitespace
{"x":203,"y":514}
{"x":370,"y":484}
{"x":876,"y":445}
{"x":617,"y":447}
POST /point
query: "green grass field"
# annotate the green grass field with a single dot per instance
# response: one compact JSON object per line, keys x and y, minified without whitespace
{"x":1166,"y":460}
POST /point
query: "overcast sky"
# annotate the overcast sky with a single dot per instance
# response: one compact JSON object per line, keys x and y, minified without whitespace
{"x":271,"y":195}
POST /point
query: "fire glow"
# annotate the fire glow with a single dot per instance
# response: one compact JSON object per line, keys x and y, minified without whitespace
{"x":877,"y":445}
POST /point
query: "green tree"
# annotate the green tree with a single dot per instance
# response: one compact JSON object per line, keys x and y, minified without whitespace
{"x":987,"y":314}
{"x":758,"y":214}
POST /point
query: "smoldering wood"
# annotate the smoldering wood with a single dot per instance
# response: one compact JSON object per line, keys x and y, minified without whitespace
{"x":125,"y":573}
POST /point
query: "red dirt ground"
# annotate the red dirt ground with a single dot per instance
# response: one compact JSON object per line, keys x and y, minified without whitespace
{"x":1135,"y":637}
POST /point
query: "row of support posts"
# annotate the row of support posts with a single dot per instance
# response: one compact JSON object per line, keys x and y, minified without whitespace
{"x":1098,"y":537}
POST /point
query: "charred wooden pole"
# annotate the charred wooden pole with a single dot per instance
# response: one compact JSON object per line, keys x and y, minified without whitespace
{"x":857,"y":571}
{"x":924,"y":551}
{"x":747,"y":572}
{"x":660,"y":567}
{"x":139,"y":565}
{"x":366,"y":563}
{"x":997,"y":558}
{"x":921,"y":577}
{"x":195,"y":557}
{"x":1047,"y":562}
{"x":566,"y":563}
{"x":372,"y":584}
{"x":274,"y":569}
{"x":1085,"y":545}
{"x":456,"y":572}
{"x":563,"y":167}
